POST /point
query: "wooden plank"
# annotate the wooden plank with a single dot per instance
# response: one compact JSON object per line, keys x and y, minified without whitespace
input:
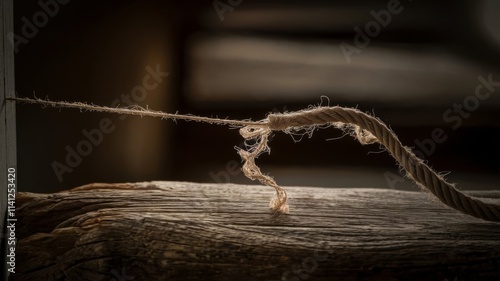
{"x":189,"y":231}
{"x":7,"y":117}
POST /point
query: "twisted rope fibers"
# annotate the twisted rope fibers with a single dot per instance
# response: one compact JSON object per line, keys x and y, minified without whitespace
{"x":370,"y":129}
{"x":366,"y":128}
{"x":137,"y":111}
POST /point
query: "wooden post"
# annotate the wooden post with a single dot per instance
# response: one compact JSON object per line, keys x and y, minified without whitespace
{"x":188,"y":231}
{"x":7,"y":119}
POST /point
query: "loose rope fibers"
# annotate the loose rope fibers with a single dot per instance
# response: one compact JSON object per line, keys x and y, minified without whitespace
{"x":364,"y":127}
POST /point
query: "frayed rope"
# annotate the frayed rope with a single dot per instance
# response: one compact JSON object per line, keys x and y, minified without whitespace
{"x":365,"y":128}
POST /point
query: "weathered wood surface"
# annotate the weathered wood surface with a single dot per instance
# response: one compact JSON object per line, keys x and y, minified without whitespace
{"x":188,"y":231}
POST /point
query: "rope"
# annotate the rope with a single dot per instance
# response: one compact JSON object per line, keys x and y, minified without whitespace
{"x":136,"y":110}
{"x":366,"y":128}
{"x":370,"y":128}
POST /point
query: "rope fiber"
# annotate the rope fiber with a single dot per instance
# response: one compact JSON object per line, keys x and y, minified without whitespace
{"x":376,"y":129}
{"x":366,"y":128}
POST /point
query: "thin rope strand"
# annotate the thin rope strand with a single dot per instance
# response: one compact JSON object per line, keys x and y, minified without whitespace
{"x":137,"y":112}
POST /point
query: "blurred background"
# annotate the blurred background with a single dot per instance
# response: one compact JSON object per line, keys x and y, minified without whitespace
{"x":415,"y":64}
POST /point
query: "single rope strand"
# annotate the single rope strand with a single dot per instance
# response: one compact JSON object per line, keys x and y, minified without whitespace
{"x":137,"y":112}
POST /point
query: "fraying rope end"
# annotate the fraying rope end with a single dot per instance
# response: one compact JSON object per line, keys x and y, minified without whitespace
{"x":279,"y":205}
{"x":261,"y":133}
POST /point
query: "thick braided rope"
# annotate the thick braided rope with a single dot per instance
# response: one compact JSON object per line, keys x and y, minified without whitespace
{"x":415,"y":167}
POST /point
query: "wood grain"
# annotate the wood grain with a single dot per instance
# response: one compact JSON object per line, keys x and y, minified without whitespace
{"x":189,"y":231}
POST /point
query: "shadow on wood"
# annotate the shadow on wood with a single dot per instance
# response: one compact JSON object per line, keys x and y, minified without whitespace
{"x":189,"y":231}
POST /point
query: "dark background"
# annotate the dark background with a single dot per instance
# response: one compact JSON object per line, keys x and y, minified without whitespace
{"x":264,"y":56}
